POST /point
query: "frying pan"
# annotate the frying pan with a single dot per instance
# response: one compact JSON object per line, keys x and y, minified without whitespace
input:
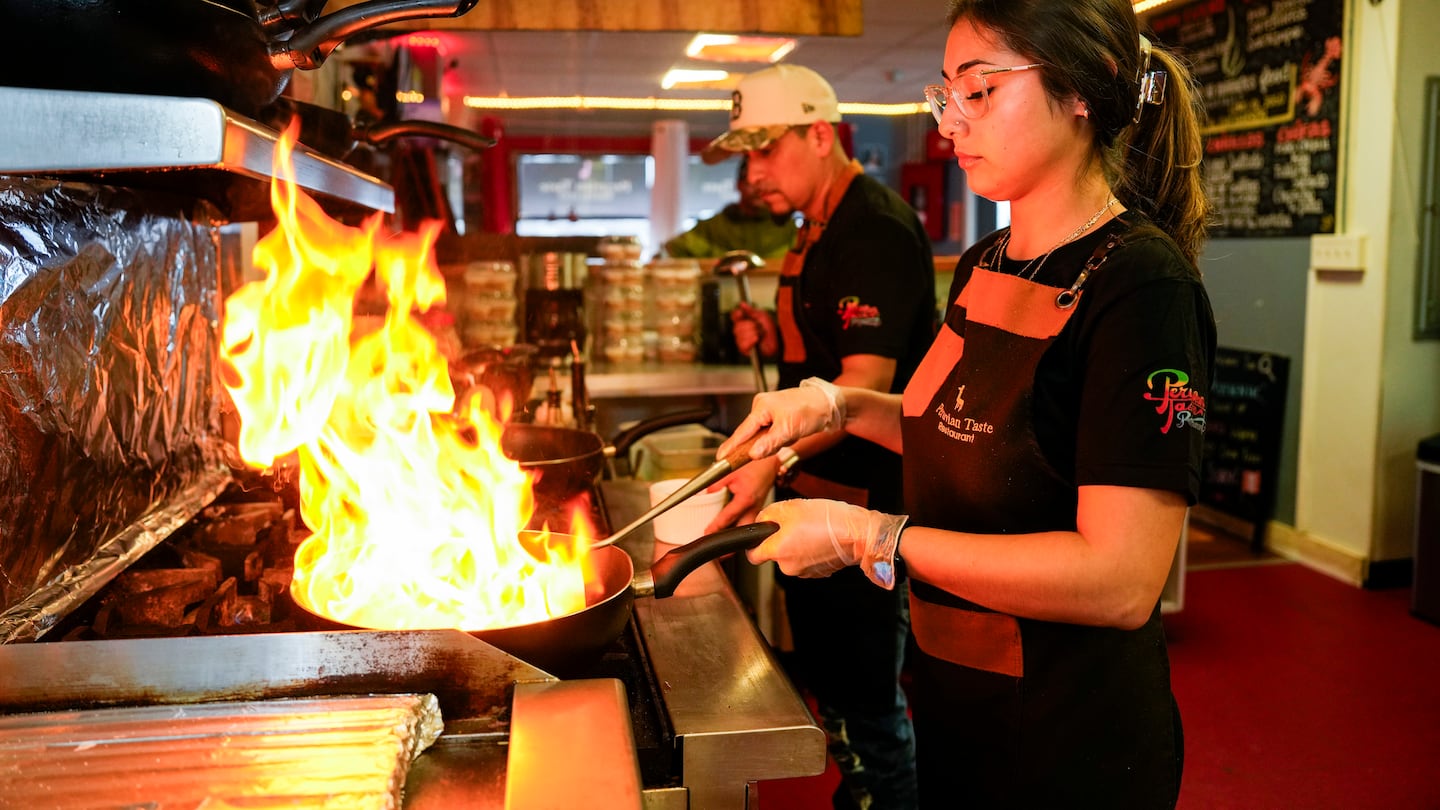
{"x":238,"y":52}
{"x":565,"y":645}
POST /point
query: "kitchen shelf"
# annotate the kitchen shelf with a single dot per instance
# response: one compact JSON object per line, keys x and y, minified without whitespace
{"x":192,"y":146}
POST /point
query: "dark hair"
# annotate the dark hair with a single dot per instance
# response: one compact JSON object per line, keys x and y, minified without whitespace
{"x":1091,"y":49}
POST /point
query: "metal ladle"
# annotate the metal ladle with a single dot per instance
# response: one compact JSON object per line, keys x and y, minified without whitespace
{"x":738,"y":263}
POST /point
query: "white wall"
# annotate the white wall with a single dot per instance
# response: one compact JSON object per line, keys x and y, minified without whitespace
{"x":1369,"y":390}
{"x":1410,"y":383}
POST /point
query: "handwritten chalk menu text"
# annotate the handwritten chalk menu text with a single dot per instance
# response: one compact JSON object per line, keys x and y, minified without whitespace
{"x":1269,"y":78}
{"x":1244,"y":418}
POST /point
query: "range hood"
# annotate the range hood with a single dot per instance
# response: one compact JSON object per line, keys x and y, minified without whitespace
{"x":190,"y":145}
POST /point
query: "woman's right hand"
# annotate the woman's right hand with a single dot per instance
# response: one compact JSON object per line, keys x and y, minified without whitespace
{"x":783,"y":417}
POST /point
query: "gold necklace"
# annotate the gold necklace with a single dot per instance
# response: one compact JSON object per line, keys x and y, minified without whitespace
{"x":1026,"y":272}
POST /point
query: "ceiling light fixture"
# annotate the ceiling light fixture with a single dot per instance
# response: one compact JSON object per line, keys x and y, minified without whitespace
{"x":595,"y":103}
{"x":1142,"y":6}
{"x":662,"y":104}
{"x":699,"y":79}
{"x":732,"y":48}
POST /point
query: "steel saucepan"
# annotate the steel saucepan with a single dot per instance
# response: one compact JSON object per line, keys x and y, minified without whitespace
{"x":567,"y":461}
{"x":238,"y":52}
{"x":565,"y":645}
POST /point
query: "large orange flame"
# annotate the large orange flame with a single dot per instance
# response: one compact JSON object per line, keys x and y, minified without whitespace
{"x":416,"y":514}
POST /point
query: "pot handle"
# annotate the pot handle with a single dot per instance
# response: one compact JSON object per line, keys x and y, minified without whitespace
{"x":377,"y":134}
{"x":670,"y":570}
{"x":645,"y":427}
{"x":308,"y":47}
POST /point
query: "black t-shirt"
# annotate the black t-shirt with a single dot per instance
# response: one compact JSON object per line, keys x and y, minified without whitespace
{"x":1100,"y":416}
{"x":867,"y":287}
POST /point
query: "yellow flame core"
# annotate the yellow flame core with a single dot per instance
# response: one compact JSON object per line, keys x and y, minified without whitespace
{"x":416,"y":513}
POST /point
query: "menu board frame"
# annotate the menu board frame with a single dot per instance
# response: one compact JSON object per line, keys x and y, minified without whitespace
{"x":1270,"y":76}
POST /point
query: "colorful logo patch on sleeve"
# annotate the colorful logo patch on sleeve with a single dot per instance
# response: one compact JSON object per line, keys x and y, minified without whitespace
{"x":854,"y":313}
{"x":1177,"y":403}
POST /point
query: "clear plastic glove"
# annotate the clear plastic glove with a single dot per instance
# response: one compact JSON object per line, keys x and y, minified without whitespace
{"x":752,"y":325}
{"x":790,"y":414}
{"x":816,"y":538}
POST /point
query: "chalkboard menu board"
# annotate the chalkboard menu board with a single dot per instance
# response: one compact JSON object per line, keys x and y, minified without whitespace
{"x":1244,"y":417}
{"x":1269,"y":77}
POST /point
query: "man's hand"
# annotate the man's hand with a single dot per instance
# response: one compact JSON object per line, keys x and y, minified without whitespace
{"x":753,"y":325}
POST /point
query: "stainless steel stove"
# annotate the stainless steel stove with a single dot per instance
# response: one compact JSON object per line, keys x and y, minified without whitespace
{"x":689,"y":707}
{"x":699,"y":710}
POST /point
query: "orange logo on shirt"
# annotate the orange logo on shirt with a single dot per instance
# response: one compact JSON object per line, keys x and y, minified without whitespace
{"x":854,"y":313}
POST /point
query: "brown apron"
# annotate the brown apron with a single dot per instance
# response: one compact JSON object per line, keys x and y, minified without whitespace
{"x":792,"y":338}
{"x":1002,"y":703}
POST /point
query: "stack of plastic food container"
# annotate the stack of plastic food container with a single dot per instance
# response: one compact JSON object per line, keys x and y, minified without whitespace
{"x":617,"y":302}
{"x":486,"y":308}
{"x":675,"y":291}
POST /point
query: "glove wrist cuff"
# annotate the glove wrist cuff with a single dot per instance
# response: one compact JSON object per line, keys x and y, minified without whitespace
{"x":834,"y":396}
{"x":878,"y":561}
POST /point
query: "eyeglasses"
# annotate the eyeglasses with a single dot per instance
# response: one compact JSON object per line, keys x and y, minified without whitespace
{"x":969,"y":91}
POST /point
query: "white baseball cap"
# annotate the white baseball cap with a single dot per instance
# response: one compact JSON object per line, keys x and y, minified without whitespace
{"x":767,"y":103}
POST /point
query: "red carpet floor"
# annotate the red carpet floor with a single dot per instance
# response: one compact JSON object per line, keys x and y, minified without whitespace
{"x":1297,"y":691}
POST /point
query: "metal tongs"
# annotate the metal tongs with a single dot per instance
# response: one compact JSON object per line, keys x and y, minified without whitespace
{"x":738,"y":458}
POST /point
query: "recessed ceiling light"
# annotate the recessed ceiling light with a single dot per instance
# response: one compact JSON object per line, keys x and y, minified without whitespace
{"x":732,"y":48}
{"x":699,"y":79}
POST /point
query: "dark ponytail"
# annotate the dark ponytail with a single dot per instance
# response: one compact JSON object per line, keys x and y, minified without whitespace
{"x":1093,"y":46}
{"x":1157,"y":160}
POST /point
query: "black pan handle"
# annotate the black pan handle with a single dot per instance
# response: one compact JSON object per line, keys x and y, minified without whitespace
{"x":645,"y":427}
{"x":670,"y":570}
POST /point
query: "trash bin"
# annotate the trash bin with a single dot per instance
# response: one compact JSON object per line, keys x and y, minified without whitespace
{"x":1425,"y":593}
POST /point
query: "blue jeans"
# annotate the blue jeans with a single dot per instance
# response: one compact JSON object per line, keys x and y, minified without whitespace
{"x":849,"y":648}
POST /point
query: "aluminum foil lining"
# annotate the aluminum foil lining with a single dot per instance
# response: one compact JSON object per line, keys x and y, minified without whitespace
{"x":109,"y":395}
{"x":345,"y":752}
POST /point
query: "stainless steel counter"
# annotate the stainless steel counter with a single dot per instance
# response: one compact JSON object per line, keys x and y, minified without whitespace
{"x":626,"y":393}
{"x":737,"y":717}
{"x":612,"y":381}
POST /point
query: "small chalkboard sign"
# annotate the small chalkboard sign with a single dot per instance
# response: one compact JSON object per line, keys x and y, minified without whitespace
{"x":1244,"y":418}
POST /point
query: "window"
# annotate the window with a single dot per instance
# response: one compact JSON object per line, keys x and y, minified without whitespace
{"x":609,"y":195}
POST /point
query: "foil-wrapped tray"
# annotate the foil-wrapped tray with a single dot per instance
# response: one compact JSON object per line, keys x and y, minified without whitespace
{"x":337,"y":752}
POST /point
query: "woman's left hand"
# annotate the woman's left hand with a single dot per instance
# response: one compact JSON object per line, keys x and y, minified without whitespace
{"x":816,"y":538}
